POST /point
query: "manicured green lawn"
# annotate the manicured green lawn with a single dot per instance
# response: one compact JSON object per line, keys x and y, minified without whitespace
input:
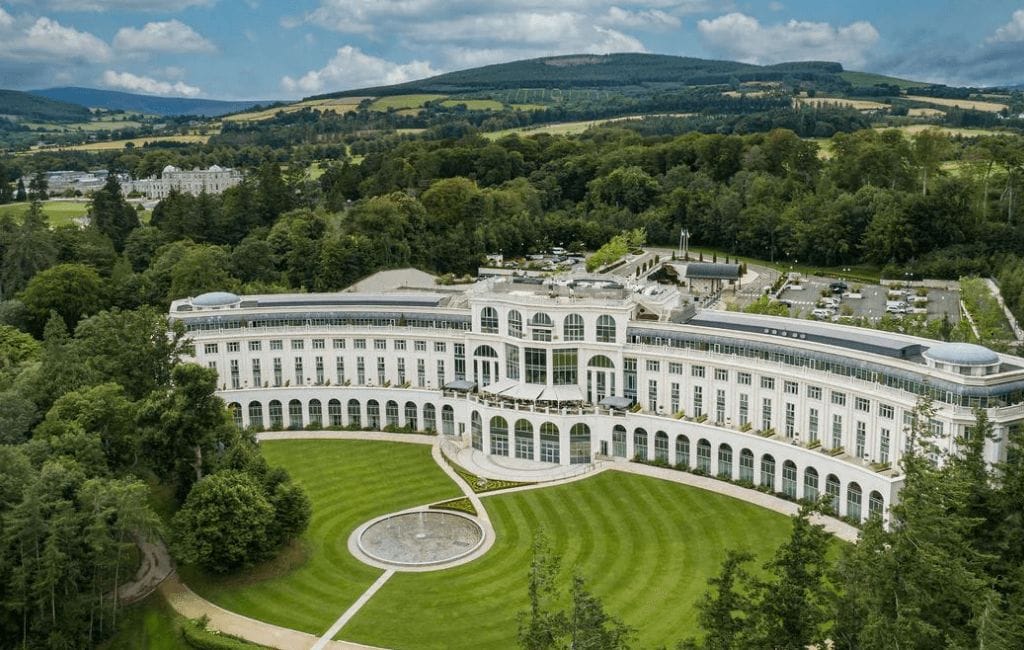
{"x":148,"y":625}
{"x":348,"y":483}
{"x":60,"y":213}
{"x":645,"y":546}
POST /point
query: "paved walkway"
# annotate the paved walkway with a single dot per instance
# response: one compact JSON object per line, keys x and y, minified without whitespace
{"x":154,"y":568}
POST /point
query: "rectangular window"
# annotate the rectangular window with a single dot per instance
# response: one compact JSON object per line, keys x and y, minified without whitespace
{"x":299,"y":377}
{"x":839,"y":399}
{"x":440,"y":373}
{"x":381,"y":372}
{"x":460,"y":360}
{"x":339,"y":344}
{"x":439,"y":346}
{"x":318,"y":364}
{"x":790,"y":419}
{"x":674,"y":396}
{"x":698,"y":401}
{"x":210,"y":348}
{"x":812,"y":425}
{"x":255,"y":346}
{"x":744,"y":409}
{"x":236,"y":379}
{"x":511,"y":361}
{"x":791,"y":388}
{"x":339,"y":370}
{"x":697,"y":371}
{"x":359,"y":344}
{"x":837,"y":431}
{"x":298,"y":344}
{"x":278,"y":379}
{"x":212,"y":365}
{"x":862,"y":404}
{"x":380,"y":344}
{"x":886,"y":411}
{"x":862,"y":438}
{"x":653,"y":366}
{"x":652,"y":395}
{"x":536,"y":366}
{"x":814,"y":392}
{"x":766,"y":414}
{"x":675,"y":368}
{"x":421,"y":373}
{"x":399,"y":344}
{"x":360,"y":371}
{"x":276,"y":344}
{"x":319,"y":344}
{"x":420,"y":346}
{"x":720,"y":406}
{"x":629,"y":378}
{"x":721,"y":374}
{"x":565,"y":367}
{"x":401,"y":371}
{"x":743,"y":378}
{"x":883,"y":446}
{"x":257,"y":376}
{"x":768,"y":383}
{"x":233,"y":346}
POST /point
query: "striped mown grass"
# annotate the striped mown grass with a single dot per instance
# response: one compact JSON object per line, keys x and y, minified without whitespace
{"x":645,"y":546}
{"x":348,"y":482}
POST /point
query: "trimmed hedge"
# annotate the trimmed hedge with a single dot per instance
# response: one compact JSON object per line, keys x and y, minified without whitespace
{"x":480,"y":484}
{"x":458,"y":505}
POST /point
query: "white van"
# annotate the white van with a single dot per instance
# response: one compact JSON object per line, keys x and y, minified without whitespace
{"x":823,"y":313}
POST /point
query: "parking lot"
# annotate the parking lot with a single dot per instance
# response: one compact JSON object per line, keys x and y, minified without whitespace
{"x":872,"y":303}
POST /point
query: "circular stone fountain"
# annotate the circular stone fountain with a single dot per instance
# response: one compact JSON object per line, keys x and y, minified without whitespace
{"x":420,"y":538}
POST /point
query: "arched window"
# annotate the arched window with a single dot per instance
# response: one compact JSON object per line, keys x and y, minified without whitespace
{"x":476,"y":429}
{"x":619,"y":441}
{"x":682,"y":451}
{"x":600,"y":361}
{"x":489,"y":320}
{"x":876,"y":505}
{"x":579,"y":444}
{"x":276,"y":416}
{"x":811,"y":484}
{"x":524,"y":439}
{"x":704,"y":456}
{"x":540,"y":319}
{"x":768,"y":471}
{"x":515,"y":324}
{"x":854,"y":498}
{"x":549,"y":451}
{"x":499,"y":436}
{"x":789,"y":479}
{"x":832,"y":492}
{"x":661,"y":446}
{"x":316,"y":413}
{"x":255,"y":415}
{"x":605,"y":329}
{"x":334,"y":413}
{"x":236,"y":413}
{"x":640,"y":443}
{"x":573,"y":328}
{"x":485,"y":351}
{"x":373,"y":414}
{"x":411,"y":416}
{"x":429,"y":418}
{"x":447,"y":420}
{"x":354,"y":413}
{"x":747,"y":465}
{"x":725,"y":461}
{"x":295,"y":414}
{"x":391,"y":413}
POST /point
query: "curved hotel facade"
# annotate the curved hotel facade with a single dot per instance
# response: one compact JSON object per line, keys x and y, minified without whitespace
{"x":568,"y":371}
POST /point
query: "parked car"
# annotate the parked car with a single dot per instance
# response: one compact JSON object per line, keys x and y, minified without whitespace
{"x":823,"y":313}
{"x":895,"y":307}
{"x":838,"y":287}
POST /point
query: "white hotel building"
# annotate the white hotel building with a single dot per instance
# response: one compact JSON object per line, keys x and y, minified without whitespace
{"x":547,"y":372}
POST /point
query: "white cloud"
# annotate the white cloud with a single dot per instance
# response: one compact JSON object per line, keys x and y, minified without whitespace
{"x":123,"y":5}
{"x":351,"y":68}
{"x":46,"y":40}
{"x":166,"y":36}
{"x":148,"y":85}
{"x":536,"y":33}
{"x":5,"y":19}
{"x":646,"y":19}
{"x":362,"y":16}
{"x":737,"y":35}
{"x":1011,"y":32}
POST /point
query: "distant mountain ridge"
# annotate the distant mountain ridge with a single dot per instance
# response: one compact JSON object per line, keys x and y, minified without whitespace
{"x":32,"y":108}
{"x":149,"y":104}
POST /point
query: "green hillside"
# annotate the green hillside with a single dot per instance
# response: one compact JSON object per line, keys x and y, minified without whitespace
{"x":28,"y":107}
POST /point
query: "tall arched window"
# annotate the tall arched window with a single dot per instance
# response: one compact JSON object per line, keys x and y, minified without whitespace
{"x":768,"y":471}
{"x":276,"y":416}
{"x":316,"y":413}
{"x":876,"y":505}
{"x":811,"y":484}
{"x":605,"y":329}
{"x":373,"y":414}
{"x":549,"y":445}
{"x":391,"y":413}
{"x":429,"y":417}
{"x":489,"y":320}
{"x":447,"y":420}
{"x":789,"y":479}
{"x":524,"y":439}
{"x":747,"y":465}
{"x":255,"y":415}
{"x":541,"y":324}
{"x":573,"y":328}
{"x":295,"y":414}
{"x":515,"y":324}
{"x":499,"y":436}
{"x":355,"y":418}
{"x":725,"y":461}
{"x":410,"y":416}
{"x":832,"y":488}
{"x":619,"y":441}
{"x":236,"y":413}
{"x":476,"y":429}
{"x":682,"y":451}
{"x":704,"y":456}
{"x":661,"y":446}
{"x":334,"y":413}
{"x":579,"y":444}
{"x":854,"y":498}
{"x":640,"y":443}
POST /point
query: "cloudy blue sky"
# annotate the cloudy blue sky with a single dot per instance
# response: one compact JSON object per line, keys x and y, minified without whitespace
{"x":260,"y":49}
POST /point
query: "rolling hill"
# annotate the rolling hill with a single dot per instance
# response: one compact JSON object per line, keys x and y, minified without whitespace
{"x":148,"y":104}
{"x":28,"y":107}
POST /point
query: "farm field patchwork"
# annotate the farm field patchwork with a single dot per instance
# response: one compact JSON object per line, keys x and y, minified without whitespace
{"x":972,"y":104}
{"x":337,"y":104}
{"x":859,"y":104}
{"x":403,"y":101}
{"x":135,"y":142}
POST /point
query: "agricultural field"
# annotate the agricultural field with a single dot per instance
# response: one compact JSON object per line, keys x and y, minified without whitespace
{"x":135,"y":142}
{"x":967,"y":104}
{"x":859,"y":104}
{"x":475,"y":104}
{"x":572,"y":128}
{"x":645,"y":546}
{"x":911,"y":129}
{"x":925,"y":112}
{"x":92,"y":125}
{"x":399,"y":102}
{"x":744,"y":93}
{"x":337,"y":104}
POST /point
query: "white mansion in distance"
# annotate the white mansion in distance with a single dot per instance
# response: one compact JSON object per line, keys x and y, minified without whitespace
{"x":548,"y":371}
{"x":214,"y":180}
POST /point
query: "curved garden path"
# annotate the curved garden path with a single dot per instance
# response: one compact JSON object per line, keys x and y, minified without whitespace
{"x":190,"y":605}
